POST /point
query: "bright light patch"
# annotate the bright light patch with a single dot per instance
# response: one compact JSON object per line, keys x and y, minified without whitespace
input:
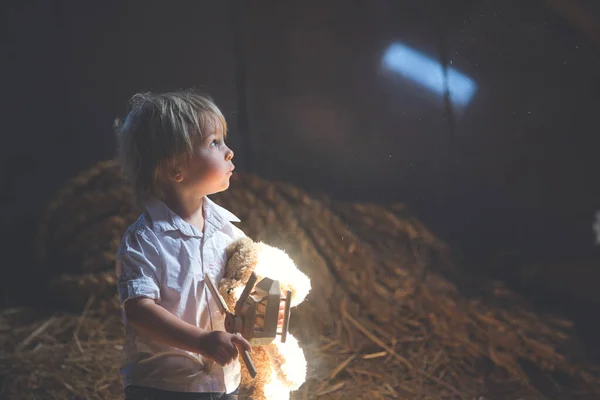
{"x":293,"y":370}
{"x":277,"y":265}
{"x":429,"y":73}
{"x":288,"y":359}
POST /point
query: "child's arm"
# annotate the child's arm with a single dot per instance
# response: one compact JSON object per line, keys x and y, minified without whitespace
{"x":160,"y":325}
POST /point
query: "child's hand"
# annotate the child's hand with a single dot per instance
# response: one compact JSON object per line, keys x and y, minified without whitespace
{"x":222,"y":347}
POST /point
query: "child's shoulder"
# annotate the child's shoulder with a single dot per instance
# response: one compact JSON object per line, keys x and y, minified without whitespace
{"x":235,"y":232}
{"x":140,"y":225}
{"x":139,"y":232}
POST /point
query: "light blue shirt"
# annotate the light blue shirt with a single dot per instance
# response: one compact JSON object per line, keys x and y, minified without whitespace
{"x":162,"y":257}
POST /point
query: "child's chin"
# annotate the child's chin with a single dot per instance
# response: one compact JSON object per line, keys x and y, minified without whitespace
{"x":223,"y":187}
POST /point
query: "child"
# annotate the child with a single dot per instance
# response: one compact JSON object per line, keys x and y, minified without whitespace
{"x":172,"y":150}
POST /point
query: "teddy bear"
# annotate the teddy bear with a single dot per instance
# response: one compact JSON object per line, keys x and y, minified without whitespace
{"x":281,"y":367}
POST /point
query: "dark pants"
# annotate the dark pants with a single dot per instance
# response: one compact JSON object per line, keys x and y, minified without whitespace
{"x":143,"y":393}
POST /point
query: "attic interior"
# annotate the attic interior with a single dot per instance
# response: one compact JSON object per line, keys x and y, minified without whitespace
{"x":445,"y":149}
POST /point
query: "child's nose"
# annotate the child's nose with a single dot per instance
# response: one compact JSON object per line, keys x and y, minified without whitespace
{"x":229,"y":154}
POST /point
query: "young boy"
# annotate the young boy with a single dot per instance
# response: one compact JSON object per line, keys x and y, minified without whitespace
{"x":172,"y":150}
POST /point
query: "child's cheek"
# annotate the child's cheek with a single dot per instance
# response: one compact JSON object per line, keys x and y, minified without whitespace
{"x":216,"y":165}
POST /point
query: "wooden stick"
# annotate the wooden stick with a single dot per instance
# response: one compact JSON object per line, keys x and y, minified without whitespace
{"x":248,"y":361}
{"x":216,"y":295}
{"x":364,"y":372}
{"x":333,"y":388}
{"x":86,"y":308}
{"x":341,"y":367}
{"x":375,"y":355}
{"x":377,"y":341}
{"x":286,"y":316}
{"x":36,"y":333}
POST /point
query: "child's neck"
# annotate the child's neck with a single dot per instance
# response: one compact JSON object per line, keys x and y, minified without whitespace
{"x":188,"y":207}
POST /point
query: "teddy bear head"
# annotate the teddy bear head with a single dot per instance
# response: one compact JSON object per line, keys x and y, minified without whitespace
{"x":245,"y":256}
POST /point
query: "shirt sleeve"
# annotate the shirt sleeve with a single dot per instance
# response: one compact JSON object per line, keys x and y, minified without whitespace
{"x":137,"y":265}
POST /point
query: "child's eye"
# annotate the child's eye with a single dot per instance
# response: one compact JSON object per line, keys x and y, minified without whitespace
{"x":214,"y":143}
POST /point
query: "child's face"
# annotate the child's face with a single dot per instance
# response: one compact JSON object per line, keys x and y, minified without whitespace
{"x":209,"y":168}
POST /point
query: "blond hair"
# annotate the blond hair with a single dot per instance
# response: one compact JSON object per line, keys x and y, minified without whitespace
{"x":158,"y":130}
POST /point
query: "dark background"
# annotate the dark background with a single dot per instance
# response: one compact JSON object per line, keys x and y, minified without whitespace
{"x":514,"y":172}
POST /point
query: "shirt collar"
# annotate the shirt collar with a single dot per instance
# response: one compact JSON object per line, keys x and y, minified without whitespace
{"x":164,"y":219}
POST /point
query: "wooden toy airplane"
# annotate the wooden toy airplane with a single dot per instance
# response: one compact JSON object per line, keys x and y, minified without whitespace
{"x":256,"y":313}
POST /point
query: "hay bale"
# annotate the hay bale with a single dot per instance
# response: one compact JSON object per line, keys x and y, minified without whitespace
{"x":380,"y":322}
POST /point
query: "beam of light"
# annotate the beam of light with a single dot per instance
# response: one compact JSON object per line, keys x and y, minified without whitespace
{"x":429,"y":73}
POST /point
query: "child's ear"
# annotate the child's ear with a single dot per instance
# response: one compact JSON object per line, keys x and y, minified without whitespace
{"x":175,"y":175}
{"x":172,"y":171}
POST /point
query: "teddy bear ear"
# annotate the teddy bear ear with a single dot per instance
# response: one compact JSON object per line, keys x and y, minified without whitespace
{"x":238,"y":245}
{"x":233,"y":248}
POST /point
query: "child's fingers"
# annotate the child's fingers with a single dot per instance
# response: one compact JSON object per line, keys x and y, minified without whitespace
{"x":240,"y":342}
{"x":233,"y":352}
{"x":222,"y":357}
